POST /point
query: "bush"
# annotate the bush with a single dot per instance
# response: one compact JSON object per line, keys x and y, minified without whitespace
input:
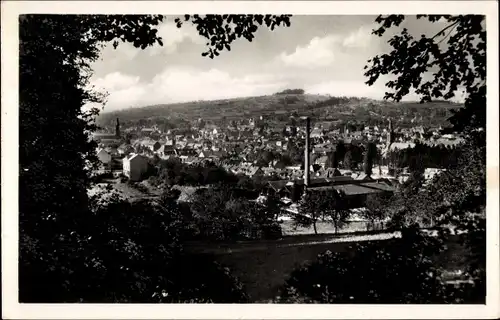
{"x":102,"y":176}
{"x":141,"y":188}
{"x":395,"y":271}
{"x":113,"y":261}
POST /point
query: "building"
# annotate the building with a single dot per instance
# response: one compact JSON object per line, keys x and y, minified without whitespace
{"x":135,"y":166}
{"x":104,"y":157}
{"x":151,"y":145}
{"x":125,"y":149}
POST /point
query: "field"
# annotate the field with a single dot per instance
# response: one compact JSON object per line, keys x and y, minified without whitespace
{"x":263,"y":266}
{"x":322,"y":227}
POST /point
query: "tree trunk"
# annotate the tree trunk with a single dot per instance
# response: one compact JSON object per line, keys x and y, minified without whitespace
{"x":314,"y":226}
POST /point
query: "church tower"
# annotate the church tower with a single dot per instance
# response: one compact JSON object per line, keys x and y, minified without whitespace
{"x":117,"y":130}
{"x":390,"y":140}
{"x":390,"y":134}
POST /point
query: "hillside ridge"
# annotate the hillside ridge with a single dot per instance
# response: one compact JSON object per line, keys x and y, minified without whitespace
{"x":284,"y":105}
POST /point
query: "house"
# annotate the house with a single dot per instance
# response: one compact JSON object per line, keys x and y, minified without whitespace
{"x":321,"y":161}
{"x":148,"y":143}
{"x":254,"y":171}
{"x":109,"y":142}
{"x":125,"y":149}
{"x":186,"y":152}
{"x":135,"y":166}
{"x":170,"y":142}
{"x":112,"y":150}
{"x":167,"y":150}
{"x":147,"y":131}
{"x":363,"y":177}
{"x":99,"y":136}
{"x":317,"y":133}
{"x":152,"y":145}
{"x":401,"y":145}
{"x":331,"y":173}
{"x":211,"y":154}
{"x":104,"y":156}
{"x":188,"y":159}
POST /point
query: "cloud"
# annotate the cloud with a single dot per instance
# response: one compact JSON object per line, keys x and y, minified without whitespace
{"x":182,"y":85}
{"x":360,"y":38}
{"x":173,"y":36}
{"x":323,"y":51}
{"x":116,"y":81}
{"x":318,"y":53}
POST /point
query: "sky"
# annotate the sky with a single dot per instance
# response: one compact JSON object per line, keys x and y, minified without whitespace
{"x":320,"y":54}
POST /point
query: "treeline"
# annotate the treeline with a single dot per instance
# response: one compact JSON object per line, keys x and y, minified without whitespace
{"x":173,"y":172}
{"x":424,"y":156}
{"x":290,"y":91}
{"x":226,"y":213}
{"x":167,"y":173}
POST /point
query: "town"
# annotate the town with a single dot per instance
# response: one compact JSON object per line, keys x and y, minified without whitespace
{"x":274,"y":158}
{"x":322,"y":161}
{"x":251,"y":148}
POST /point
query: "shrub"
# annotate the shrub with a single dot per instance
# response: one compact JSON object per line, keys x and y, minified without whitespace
{"x":394,"y":271}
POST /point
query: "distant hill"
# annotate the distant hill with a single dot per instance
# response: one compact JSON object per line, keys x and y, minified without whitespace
{"x":281,"y":106}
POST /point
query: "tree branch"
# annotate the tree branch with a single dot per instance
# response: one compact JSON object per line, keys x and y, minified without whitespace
{"x":454,"y":26}
{"x":443,"y":30}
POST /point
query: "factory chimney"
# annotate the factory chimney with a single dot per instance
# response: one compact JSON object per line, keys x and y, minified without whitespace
{"x":117,"y":128}
{"x":306,"y":153}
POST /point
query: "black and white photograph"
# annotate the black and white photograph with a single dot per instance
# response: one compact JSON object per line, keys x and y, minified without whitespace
{"x":269,"y":157}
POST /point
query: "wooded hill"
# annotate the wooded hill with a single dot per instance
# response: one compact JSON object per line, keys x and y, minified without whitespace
{"x":281,"y":107}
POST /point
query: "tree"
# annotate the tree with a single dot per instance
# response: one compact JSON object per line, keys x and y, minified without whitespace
{"x":369,"y":157}
{"x":348,"y":161}
{"x":456,"y":197}
{"x":55,"y":152}
{"x":334,"y":209}
{"x":461,"y":63}
{"x":327,"y":206}
{"x":393,"y":271}
{"x":309,"y":211}
{"x":332,"y":161}
{"x":376,"y":207}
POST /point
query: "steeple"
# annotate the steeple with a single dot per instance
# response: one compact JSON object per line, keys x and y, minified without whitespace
{"x":390,"y":134}
{"x":117,"y":130}
{"x":390,"y":140}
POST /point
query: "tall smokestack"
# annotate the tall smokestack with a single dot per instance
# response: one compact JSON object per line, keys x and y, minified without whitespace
{"x":117,"y":128}
{"x":306,"y":153}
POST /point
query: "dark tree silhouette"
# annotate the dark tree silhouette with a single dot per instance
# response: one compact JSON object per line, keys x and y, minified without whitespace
{"x":399,"y":271}
{"x":328,"y":206}
{"x":461,"y":63}
{"x":348,"y":161}
{"x":55,"y":152}
{"x":369,"y":157}
{"x":332,"y":160}
{"x":372,"y":274}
